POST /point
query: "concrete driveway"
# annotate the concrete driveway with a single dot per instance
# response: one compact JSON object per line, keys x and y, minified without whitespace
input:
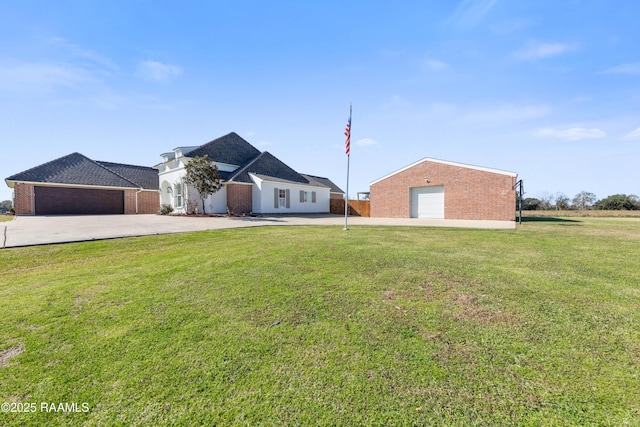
{"x":42,"y":230}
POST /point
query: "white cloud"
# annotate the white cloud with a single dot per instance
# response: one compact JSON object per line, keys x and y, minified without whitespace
{"x":41,"y":78}
{"x":631,"y":69}
{"x":635,"y":134}
{"x":87,"y":58}
{"x":157,"y":71}
{"x":69,"y":76}
{"x":535,"y":51}
{"x":366,"y":142}
{"x":469,"y":13}
{"x":572,"y":134}
{"x":435,"y":64}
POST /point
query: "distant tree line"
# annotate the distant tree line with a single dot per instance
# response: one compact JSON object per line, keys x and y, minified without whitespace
{"x":581,"y":201}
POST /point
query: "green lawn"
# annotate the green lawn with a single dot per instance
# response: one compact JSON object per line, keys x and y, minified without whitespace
{"x":6,"y":218}
{"x":318,"y":326}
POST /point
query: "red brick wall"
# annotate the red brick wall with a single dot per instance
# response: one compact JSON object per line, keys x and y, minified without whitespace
{"x":148,"y":201}
{"x":23,"y":199}
{"x":129,"y":201}
{"x":468,"y":193}
{"x":239,"y":198}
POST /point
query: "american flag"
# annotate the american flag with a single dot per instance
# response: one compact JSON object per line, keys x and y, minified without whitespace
{"x":347,"y":133}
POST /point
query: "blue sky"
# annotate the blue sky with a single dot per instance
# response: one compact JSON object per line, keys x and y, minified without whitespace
{"x":547,"y":89}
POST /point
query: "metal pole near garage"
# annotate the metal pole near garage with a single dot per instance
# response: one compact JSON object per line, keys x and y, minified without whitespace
{"x":518,"y":185}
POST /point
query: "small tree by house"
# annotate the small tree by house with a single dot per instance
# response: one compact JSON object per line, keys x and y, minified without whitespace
{"x":202,"y":174}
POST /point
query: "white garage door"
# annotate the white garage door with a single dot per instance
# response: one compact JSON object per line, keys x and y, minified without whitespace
{"x":427,"y":202}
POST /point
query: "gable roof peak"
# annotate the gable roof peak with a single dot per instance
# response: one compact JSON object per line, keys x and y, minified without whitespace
{"x":269,"y":166}
{"x":78,"y":169}
{"x":449,"y":163}
{"x":230,"y":148}
{"x":45,"y":169}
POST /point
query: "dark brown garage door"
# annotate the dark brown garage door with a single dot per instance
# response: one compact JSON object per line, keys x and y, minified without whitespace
{"x":78,"y":201}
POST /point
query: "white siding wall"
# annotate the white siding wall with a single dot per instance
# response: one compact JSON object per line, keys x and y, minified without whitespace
{"x":263,"y":198}
{"x":217,"y":202}
{"x":170,"y":174}
{"x":263,"y":194}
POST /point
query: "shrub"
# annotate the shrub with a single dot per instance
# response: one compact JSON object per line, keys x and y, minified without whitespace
{"x":166,"y":209}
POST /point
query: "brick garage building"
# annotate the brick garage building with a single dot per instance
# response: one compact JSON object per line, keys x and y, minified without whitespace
{"x":438,"y":189}
{"x":75,"y":184}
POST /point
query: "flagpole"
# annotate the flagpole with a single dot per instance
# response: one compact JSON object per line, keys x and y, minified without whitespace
{"x":348,"y":149}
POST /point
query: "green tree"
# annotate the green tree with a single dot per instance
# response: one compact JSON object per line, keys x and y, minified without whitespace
{"x":530,"y":204}
{"x":562,"y":202}
{"x":202,"y":174}
{"x":619,"y":202}
{"x":546,"y":201}
{"x":583,"y":200}
{"x":5,"y":206}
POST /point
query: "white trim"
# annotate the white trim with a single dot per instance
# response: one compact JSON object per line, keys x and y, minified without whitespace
{"x":236,"y":182}
{"x":267,"y":178}
{"x":98,"y":187}
{"x":183,"y":151}
{"x":446,"y":162}
{"x":222,"y":167}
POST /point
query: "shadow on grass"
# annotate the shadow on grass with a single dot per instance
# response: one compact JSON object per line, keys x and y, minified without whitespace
{"x":549,"y":219}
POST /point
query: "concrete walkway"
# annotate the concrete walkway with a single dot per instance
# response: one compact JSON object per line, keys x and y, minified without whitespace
{"x":42,"y":230}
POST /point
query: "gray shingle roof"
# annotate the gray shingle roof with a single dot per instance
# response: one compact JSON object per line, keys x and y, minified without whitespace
{"x":144,"y":176}
{"x":325,"y":182}
{"x":267,"y":166}
{"x":77,"y":169}
{"x":233,"y":149}
{"x":230,"y":148}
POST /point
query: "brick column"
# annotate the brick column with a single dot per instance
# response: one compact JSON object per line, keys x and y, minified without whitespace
{"x":24,"y":199}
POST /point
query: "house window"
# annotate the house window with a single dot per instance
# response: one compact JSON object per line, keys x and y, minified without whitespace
{"x":281,"y":198}
{"x":307,"y":196}
{"x":178,"y":195}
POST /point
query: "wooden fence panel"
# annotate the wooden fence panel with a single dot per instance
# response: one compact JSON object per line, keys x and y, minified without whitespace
{"x":356,"y":207}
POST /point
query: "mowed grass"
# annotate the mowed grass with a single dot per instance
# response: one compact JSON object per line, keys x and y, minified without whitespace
{"x":318,"y":326}
{"x":585,"y":213}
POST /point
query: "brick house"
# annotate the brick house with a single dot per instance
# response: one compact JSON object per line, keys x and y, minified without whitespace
{"x":75,"y":184}
{"x":438,"y":189}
